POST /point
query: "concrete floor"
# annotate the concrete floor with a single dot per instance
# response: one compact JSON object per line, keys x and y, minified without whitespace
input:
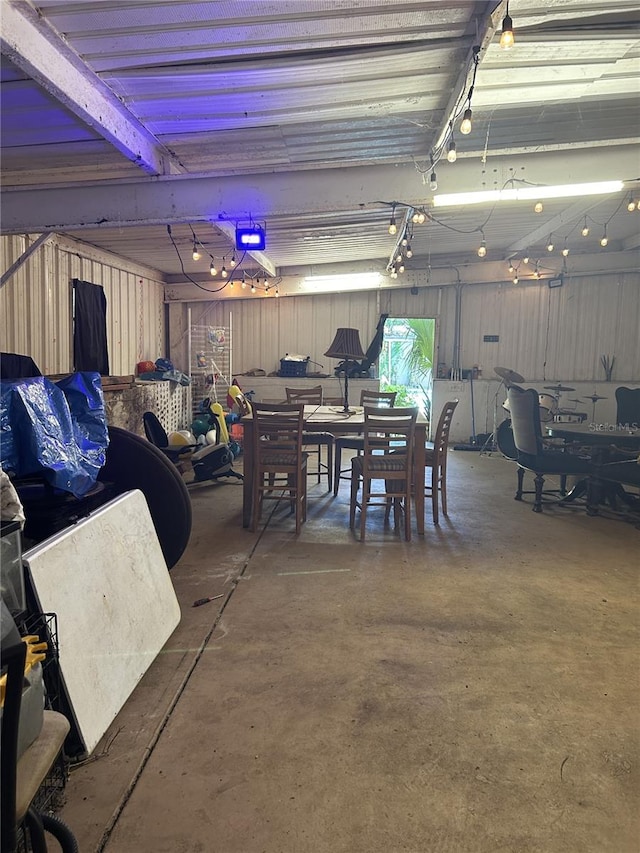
{"x":472,"y":691}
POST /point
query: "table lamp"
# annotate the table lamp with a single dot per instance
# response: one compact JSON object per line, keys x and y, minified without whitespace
{"x":346,"y":345}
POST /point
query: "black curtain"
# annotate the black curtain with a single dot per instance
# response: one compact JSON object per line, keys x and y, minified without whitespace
{"x":90,"y":328}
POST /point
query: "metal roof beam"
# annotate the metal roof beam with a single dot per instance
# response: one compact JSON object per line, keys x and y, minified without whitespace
{"x":202,"y":198}
{"x":39,"y":52}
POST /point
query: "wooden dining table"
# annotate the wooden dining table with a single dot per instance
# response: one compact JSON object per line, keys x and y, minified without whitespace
{"x":333,"y":419}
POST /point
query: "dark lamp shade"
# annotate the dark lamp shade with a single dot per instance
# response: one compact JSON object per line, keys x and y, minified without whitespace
{"x":346,"y":344}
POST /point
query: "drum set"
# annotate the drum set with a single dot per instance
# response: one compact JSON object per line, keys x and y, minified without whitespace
{"x":550,"y":405}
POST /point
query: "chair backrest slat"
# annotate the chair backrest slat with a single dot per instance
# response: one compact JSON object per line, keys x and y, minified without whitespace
{"x":278,"y":424}
{"x":389,"y":430}
{"x":441,"y":440}
{"x":377,"y":398}
{"x":310,"y":396}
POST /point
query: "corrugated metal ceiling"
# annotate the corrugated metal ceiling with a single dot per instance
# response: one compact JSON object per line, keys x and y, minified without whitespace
{"x":260,"y":87}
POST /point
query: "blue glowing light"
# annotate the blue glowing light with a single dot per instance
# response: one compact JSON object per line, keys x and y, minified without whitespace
{"x":253,"y":238}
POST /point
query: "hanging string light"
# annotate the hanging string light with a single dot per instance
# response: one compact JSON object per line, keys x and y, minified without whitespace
{"x":538,"y":207}
{"x":632,"y":204}
{"x":393,"y":228}
{"x":465,"y":125}
{"x":550,"y":243}
{"x":223,"y":271}
{"x":585,"y":228}
{"x":565,"y":248}
{"x":482,"y":249}
{"x":212,"y":269}
{"x":506,"y":37}
{"x":452,"y":155}
{"x":604,"y":239}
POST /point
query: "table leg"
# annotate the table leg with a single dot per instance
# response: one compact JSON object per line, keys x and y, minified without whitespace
{"x":247,"y":485}
{"x":419,"y":462}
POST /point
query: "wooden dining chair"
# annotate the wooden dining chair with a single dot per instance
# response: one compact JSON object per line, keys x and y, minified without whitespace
{"x":356,"y":442}
{"x":313,"y":442}
{"x":280,"y":465}
{"x":384,"y":468}
{"x":436,"y":460}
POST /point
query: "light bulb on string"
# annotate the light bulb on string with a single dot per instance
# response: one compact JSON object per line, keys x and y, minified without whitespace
{"x":253,"y":287}
{"x":277,"y":291}
{"x":212,"y":268}
{"x":538,"y":207}
{"x":433,"y":182}
{"x":516,"y":279}
{"x":482,"y":248}
{"x":195,"y":254}
{"x":233,"y":261}
{"x":565,"y":248}
{"x":223,"y":272}
{"x":452,"y":155}
{"x":631,"y":205}
{"x":506,"y":37}
{"x":244,"y":282}
{"x":231,"y":283}
{"x":604,"y":239}
{"x":401,"y":267}
{"x":421,"y":217}
{"x":550,"y":244}
{"x":465,"y":125}
{"x":585,"y":228}
{"x":511,"y":268}
{"x":409,"y":252}
{"x":404,"y":240}
{"x":393,"y":228}
{"x":525,"y":259}
{"x":399,"y":257}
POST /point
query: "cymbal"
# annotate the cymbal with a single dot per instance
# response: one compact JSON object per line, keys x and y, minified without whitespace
{"x":508,"y":375}
{"x":595,"y":397}
{"x":559,"y":388}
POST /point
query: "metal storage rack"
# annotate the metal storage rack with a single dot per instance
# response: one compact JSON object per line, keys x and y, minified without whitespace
{"x":210,"y":364}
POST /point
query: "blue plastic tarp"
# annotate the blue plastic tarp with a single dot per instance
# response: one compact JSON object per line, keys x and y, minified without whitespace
{"x":54,"y":430}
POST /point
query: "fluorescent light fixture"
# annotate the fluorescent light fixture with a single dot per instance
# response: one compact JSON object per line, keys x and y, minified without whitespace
{"x":248,"y":239}
{"x":349,"y":281}
{"x":528,"y":193}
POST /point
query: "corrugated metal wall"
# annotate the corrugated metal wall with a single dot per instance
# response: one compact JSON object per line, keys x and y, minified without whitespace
{"x":35,"y":306}
{"x":265,"y":330}
{"x":545,"y":334}
{"x":555,"y":334}
{"x":552,"y":334}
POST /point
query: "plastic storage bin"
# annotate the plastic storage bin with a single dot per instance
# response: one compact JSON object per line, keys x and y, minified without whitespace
{"x":11,"y":568}
{"x":293,"y":367}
